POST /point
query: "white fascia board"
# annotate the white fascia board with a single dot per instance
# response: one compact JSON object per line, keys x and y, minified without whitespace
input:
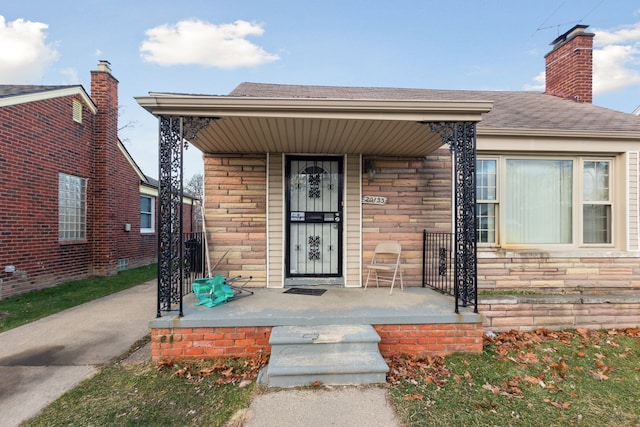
{"x":364,"y":109}
{"x":50,"y":94}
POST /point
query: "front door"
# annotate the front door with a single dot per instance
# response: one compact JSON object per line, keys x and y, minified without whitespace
{"x":314,"y":217}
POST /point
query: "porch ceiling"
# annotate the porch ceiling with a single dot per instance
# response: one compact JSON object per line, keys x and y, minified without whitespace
{"x":312,"y":125}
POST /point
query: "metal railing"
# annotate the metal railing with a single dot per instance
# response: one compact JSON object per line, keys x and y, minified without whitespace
{"x":195,"y":263}
{"x":438,"y":262}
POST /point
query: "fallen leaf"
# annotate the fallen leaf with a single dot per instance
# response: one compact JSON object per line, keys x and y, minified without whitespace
{"x":532,"y":380}
{"x":563,"y":405}
{"x":414,"y":396}
{"x":582,"y":331}
{"x":598,"y":376}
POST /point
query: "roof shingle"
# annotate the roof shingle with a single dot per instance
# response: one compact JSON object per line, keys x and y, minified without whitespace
{"x":511,"y":110}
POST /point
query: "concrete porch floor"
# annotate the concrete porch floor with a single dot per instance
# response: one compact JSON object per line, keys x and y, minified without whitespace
{"x":338,"y":305}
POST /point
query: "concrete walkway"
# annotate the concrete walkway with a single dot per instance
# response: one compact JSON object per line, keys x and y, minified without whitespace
{"x":42,"y":360}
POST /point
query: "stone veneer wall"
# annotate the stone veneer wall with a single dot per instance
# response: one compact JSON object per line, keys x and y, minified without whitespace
{"x":539,"y":272}
{"x":235,"y":214}
{"x":559,"y":293}
{"x":418,"y":193}
{"x":531,"y":312}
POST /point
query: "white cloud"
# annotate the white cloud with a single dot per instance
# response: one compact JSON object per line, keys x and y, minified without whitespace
{"x":70,"y":75}
{"x":25,"y":55}
{"x":616,"y":60}
{"x":202,"y":43}
{"x":537,"y":84}
{"x":615,"y":67}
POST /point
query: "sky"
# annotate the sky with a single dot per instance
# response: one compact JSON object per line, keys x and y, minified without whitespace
{"x":211,"y":46}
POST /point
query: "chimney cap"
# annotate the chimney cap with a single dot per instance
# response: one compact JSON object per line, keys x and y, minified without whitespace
{"x":104,"y":66}
{"x":576,"y":30}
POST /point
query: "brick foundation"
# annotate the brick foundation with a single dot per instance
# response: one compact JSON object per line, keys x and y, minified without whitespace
{"x":430,"y":339}
{"x":214,"y":342}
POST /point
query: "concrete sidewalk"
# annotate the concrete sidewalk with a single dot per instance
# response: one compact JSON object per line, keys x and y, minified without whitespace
{"x":335,"y":406}
{"x":42,"y":360}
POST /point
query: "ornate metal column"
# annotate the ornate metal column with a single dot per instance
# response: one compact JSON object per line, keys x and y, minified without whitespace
{"x":174,"y":134}
{"x":461,"y":137}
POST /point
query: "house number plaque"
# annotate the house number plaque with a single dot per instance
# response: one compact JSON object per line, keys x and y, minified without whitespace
{"x":374,"y":200}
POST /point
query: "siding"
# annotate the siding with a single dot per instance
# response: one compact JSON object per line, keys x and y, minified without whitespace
{"x":276,"y":221}
{"x":353,"y":221}
{"x":633,"y":209}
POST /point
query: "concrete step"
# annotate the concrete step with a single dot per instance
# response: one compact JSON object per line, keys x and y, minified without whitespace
{"x":330,"y":354}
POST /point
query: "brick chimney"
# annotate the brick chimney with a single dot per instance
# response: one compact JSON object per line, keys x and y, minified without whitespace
{"x":104,"y":92}
{"x":569,"y":65}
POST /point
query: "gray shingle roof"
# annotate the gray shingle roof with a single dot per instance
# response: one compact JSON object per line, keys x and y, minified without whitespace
{"x":15,"y":90}
{"x":511,"y":110}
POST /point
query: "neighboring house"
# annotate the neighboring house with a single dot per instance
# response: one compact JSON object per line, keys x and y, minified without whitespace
{"x":73,"y":202}
{"x":303,"y":181}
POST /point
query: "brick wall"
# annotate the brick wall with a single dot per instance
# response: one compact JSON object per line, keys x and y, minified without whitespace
{"x":214,"y":342}
{"x":418,"y":195}
{"x":431,"y":339}
{"x":38,"y":140}
{"x":569,"y":68}
{"x":209,"y":342}
{"x":235,"y":214}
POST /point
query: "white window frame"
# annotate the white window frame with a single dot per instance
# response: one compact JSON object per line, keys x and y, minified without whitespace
{"x":72,"y":208}
{"x":609,"y":202}
{"x":495,"y":202}
{"x":578,"y":201}
{"x":152,"y":214}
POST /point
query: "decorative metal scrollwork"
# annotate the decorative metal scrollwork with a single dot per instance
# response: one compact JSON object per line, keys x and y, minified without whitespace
{"x":193,"y":125}
{"x":314,"y":185}
{"x":442,"y":261}
{"x":461,"y":138}
{"x":174,"y":134}
{"x":314,"y":248}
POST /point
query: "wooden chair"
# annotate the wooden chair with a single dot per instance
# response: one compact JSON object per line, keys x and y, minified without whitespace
{"x":385,"y":264}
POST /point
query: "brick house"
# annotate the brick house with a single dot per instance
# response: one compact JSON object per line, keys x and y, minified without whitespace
{"x":554,"y":206}
{"x":72,"y":197}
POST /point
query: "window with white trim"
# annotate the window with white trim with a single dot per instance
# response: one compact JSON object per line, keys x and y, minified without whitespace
{"x":147,"y":214}
{"x":487,"y":199}
{"x":72,"y":208}
{"x":596,"y":202}
{"x":541,"y":201}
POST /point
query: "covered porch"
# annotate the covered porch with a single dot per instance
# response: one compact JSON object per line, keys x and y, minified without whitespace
{"x":357,"y":131}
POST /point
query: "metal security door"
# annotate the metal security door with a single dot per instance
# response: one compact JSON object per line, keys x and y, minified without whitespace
{"x":314,"y":213}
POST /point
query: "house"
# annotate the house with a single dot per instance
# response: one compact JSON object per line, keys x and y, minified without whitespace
{"x":74,"y":202}
{"x":540,"y":190}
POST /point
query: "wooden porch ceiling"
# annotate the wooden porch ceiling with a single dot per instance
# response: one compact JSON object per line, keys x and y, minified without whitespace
{"x":319,"y":126}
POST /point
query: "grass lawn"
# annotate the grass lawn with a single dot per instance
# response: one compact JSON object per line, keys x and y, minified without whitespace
{"x":582,"y":378}
{"x":25,"y":308}
{"x":195,"y":393}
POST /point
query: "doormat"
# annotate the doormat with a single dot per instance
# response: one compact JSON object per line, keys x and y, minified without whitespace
{"x":305,"y":291}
